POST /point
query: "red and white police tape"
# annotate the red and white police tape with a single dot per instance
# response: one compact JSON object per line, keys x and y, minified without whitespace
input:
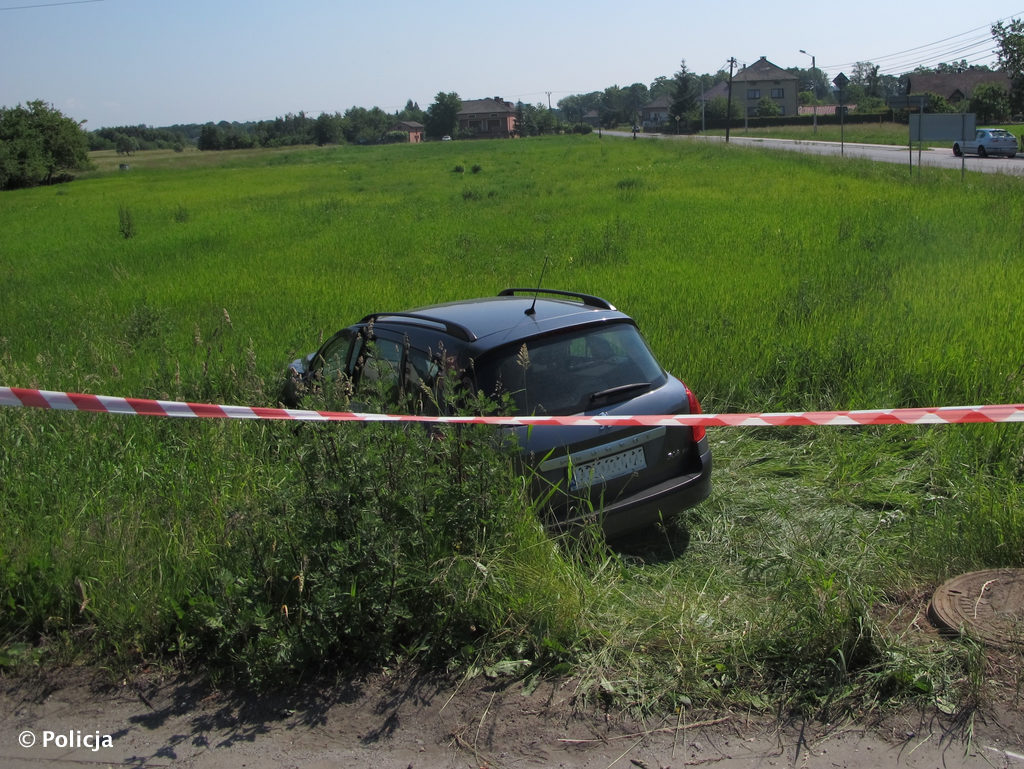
{"x":48,"y":399}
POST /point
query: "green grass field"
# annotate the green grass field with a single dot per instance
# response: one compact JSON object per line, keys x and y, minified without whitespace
{"x":766,"y":281}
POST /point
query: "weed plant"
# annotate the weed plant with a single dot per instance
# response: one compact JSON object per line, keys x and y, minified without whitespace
{"x":766,"y":281}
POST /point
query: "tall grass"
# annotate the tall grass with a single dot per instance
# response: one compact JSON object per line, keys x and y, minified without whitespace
{"x":766,"y":281}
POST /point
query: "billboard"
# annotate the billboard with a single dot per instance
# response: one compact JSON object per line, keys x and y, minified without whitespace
{"x":941,"y":127}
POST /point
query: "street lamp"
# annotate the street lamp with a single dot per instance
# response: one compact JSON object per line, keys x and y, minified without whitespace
{"x":814,"y":93}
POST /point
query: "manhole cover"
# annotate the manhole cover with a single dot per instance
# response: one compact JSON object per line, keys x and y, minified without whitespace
{"x":987,"y":605}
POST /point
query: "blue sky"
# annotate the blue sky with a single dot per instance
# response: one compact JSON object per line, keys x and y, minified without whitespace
{"x":129,"y":62}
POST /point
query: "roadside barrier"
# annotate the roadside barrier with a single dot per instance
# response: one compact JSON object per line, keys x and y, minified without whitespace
{"x":106,"y":404}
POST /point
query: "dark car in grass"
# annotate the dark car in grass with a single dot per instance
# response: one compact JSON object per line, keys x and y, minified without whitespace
{"x":550,"y":353}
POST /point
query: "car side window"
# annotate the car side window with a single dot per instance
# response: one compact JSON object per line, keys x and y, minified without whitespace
{"x":421,"y":383}
{"x":379,"y":367}
{"x":388,"y":366}
{"x":334,"y":355}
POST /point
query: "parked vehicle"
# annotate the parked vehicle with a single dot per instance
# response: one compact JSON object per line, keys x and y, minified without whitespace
{"x":988,"y":141}
{"x":552,"y":352}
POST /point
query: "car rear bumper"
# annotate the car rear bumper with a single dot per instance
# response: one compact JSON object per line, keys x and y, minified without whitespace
{"x":655,"y":503}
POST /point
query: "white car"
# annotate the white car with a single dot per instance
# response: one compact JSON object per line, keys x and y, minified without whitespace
{"x":988,"y":141}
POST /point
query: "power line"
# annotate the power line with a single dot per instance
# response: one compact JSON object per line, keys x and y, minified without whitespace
{"x":48,"y":5}
{"x":935,"y":52}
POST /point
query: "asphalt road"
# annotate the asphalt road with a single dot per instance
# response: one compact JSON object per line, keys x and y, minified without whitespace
{"x":913,"y":160}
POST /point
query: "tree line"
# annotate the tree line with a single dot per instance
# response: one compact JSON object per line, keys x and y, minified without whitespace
{"x":40,"y":145}
{"x":688,"y":106}
{"x":868,"y":88}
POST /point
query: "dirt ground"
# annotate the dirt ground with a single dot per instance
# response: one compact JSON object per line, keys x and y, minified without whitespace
{"x":78,"y":718}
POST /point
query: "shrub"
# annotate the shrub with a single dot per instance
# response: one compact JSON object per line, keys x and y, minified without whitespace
{"x":391,"y":549}
{"x":126,"y":222}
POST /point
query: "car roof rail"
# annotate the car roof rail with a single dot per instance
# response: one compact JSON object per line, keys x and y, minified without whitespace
{"x":454,"y":329}
{"x":588,"y":299}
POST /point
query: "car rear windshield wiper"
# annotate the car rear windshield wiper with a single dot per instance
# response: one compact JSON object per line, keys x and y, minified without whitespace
{"x":613,"y":392}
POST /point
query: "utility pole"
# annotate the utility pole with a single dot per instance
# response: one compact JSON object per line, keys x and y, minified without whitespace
{"x":814,"y":87}
{"x":728,"y":102}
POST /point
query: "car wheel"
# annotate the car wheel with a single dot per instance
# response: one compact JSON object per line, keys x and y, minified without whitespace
{"x":981,"y":151}
{"x":957,"y":151}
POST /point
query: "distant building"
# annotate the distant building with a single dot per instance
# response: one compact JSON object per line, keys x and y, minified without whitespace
{"x":955,"y":87}
{"x":488,"y":119}
{"x":411,"y":127}
{"x":762,"y":79}
{"x":655,"y":114}
{"x":718,"y":90}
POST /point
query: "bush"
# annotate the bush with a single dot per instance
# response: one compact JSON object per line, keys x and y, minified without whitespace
{"x":390,"y":550}
{"x":126,"y":222}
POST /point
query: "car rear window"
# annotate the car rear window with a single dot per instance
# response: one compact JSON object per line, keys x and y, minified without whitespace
{"x":574,"y":371}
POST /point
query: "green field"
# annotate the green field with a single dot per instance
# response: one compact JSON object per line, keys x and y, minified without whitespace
{"x":766,"y":281}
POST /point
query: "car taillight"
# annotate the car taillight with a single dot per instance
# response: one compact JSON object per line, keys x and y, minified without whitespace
{"x":698,"y":430}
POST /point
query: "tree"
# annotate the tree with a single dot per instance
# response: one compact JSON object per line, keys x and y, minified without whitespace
{"x":814,"y":82}
{"x":616,"y":106}
{"x":235,"y":138}
{"x":938,"y":104}
{"x":282,"y":131}
{"x":953,"y":67}
{"x":366,"y":126}
{"x":871,"y":105}
{"x":716,"y":109}
{"x":39,"y":145}
{"x":1010,"y":55}
{"x":576,"y":106}
{"x":685,"y":94}
{"x":327,"y":129}
{"x":547,"y":120}
{"x":412,"y":113}
{"x":639,"y":95}
{"x":209,"y":138}
{"x":768,"y":108}
{"x":126,"y":145}
{"x":990,"y":102}
{"x":534,"y":119}
{"x":865,"y":75}
{"x":661,"y":86}
{"x":442,"y":118}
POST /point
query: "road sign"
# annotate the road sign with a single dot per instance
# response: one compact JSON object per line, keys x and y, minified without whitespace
{"x":942,"y":127}
{"x":920,"y":101}
{"x":840,"y":81}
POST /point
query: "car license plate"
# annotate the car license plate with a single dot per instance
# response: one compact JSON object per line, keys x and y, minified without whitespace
{"x":606,"y":468}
